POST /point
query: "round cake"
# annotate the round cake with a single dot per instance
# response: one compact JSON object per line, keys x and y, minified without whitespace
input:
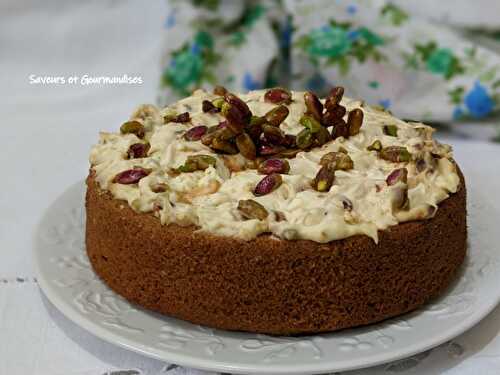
{"x":274,"y":211}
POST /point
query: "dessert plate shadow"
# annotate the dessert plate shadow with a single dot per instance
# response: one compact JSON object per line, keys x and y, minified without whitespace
{"x":67,"y":279}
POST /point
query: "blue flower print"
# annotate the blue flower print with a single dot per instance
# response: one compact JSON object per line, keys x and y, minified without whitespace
{"x":458,"y":113}
{"x":249,"y":83}
{"x":386,"y":103}
{"x":478,"y":102}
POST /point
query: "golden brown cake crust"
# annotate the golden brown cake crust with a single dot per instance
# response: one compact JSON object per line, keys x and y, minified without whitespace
{"x":268,"y":285}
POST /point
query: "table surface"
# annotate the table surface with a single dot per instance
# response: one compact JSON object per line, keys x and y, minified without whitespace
{"x":47,"y":132}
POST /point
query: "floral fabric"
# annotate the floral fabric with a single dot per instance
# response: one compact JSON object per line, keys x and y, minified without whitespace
{"x":420,"y":66}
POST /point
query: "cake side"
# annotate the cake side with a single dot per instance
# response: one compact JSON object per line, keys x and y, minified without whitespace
{"x":270,"y":285}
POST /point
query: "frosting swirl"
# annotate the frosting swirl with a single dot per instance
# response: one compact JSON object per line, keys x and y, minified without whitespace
{"x":360,"y":201}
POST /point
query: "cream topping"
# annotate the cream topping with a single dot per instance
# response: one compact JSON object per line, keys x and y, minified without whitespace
{"x":209,"y":198}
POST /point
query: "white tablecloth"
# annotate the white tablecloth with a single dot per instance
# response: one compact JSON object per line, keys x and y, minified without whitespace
{"x":46,"y":132}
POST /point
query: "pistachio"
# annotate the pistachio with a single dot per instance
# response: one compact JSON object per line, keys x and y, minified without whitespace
{"x":197,"y":163}
{"x":342,"y":150}
{"x":131,"y":176}
{"x":270,"y":166}
{"x":218,"y":103}
{"x":322,"y":136}
{"x":212,"y":187}
{"x":334,"y":98}
{"x":221,"y":145}
{"x":138,"y":150}
{"x":290,"y":141}
{"x":277,"y":115}
{"x":324,"y":178}
{"x":195,"y":133}
{"x":354,"y":121}
{"x":289,"y":153}
{"x":240,"y":106}
{"x":347,"y":204}
{"x":340,"y":129}
{"x":313,"y":105}
{"x":182,"y":118}
{"x":400,"y":198}
{"x":208,"y":106}
{"x":159,"y":188}
{"x":220,"y":90}
{"x":278,"y":95}
{"x":169,"y":117}
{"x":250,"y":209}
{"x":234,"y":118}
{"x":397,"y":175}
{"x":235,"y":163}
{"x":270,"y":149}
{"x":268,"y":184}
{"x":279,"y":216}
{"x":375,"y":146}
{"x":338,"y":160}
{"x":254,"y":131}
{"x":391,"y":130}
{"x":304,"y":139}
{"x":273,"y":134}
{"x":310,"y":123}
{"x":395,"y":154}
{"x":132,"y":127}
{"x":246,"y":146}
{"x":208,"y":138}
{"x":257,"y":120}
{"x":329,"y":118}
{"x":420,"y":165}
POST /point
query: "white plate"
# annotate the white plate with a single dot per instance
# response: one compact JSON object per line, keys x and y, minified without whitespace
{"x":69,"y":282}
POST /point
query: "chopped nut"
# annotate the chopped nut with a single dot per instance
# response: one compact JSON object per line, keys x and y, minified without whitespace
{"x":159,"y":188}
{"x":322,"y":136}
{"x":347,"y":204}
{"x":289,"y":153}
{"x":340,"y":129}
{"x":250,"y":209}
{"x":313,"y":105}
{"x":221,"y":145}
{"x":240,"y":106}
{"x":375,"y":146}
{"x":138,"y":150}
{"x":278,"y":95}
{"x":131,"y":176}
{"x":277,"y":115}
{"x":338,"y":160}
{"x":265,"y":149}
{"x":270,"y":166}
{"x":195,"y":133}
{"x":211,"y":188}
{"x":310,"y":123}
{"x":182,"y":118}
{"x":246,"y":146}
{"x":354,"y":121}
{"x":273,"y":134}
{"x":208,"y":107}
{"x":235,"y":163}
{"x":400,"y":198}
{"x":133,"y":127}
{"x":324,"y":178}
{"x":304,"y":139}
{"x":397,"y":175}
{"x":290,"y":141}
{"x":391,"y":130}
{"x":334,"y":98}
{"x":268,"y":184}
{"x":197,"y":163}
{"x":395,"y":154}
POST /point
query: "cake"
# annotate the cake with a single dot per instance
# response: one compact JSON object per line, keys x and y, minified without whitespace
{"x":274,"y":211}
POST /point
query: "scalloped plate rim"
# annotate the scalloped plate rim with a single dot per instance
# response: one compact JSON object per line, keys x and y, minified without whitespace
{"x":191,"y":360}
